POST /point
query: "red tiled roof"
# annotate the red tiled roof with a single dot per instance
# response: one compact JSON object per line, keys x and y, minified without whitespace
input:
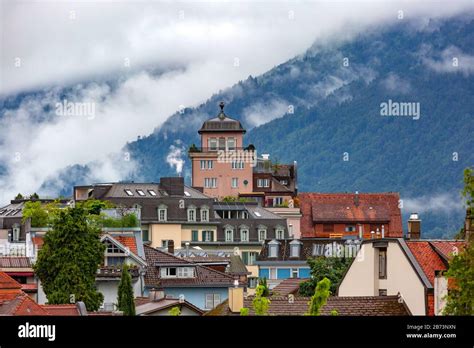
{"x":7,"y":282}
{"x":30,"y":287}
{"x":333,"y":207}
{"x":62,"y":310}
{"x":15,"y":262}
{"x":127,"y":241}
{"x":448,"y":248}
{"x":428,"y":259}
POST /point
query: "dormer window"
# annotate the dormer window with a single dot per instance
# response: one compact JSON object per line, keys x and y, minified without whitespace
{"x":279,"y":233}
{"x":162,"y":213}
{"x":204,"y":214}
{"x":16,"y":233}
{"x":192,"y":213}
{"x":262,"y":234}
{"x":229,"y":234}
{"x":245,"y":215}
{"x":128,"y":192}
{"x":273,"y":247}
{"x":177,"y":272}
{"x":295,"y":247}
{"x":244,"y":234}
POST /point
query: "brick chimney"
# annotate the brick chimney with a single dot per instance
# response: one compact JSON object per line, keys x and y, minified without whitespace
{"x":171,"y":246}
{"x":156,"y":294}
{"x":236,"y":298}
{"x":174,"y":186}
{"x":414,"y":227}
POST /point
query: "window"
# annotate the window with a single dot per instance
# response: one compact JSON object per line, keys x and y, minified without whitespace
{"x":128,"y":192}
{"x":212,"y":300}
{"x":230,"y":143}
{"x":194,"y":235}
{"x":244,"y":235}
{"x":203,"y":165}
{"x":206,"y":164}
{"x":350,"y":228}
{"x":262,"y":235}
{"x":382,"y":292}
{"x":212,"y":143}
{"x":140,"y":192}
{"x":210,"y":164}
{"x":164,"y":243}
{"x":235,"y":182}
{"x":229,"y":235}
{"x":204,"y":214}
{"x":222,"y":143}
{"x":145,"y":235}
{"x":162,"y":213}
{"x":113,"y":249}
{"x":185,"y":272}
{"x":253,"y":282}
{"x":263,"y":183}
{"x":249,"y":258}
{"x":207,"y":236}
{"x":277,"y":201}
{"x":273,"y":273}
{"x":273,"y":250}
{"x":279,"y":233}
{"x":245,"y":215}
{"x":284,"y":182}
{"x":210,"y":182}
{"x":237,"y":165}
{"x":115,"y":261}
{"x":168,"y":272}
{"x":294,"y":273}
{"x":328,"y":228}
{"x":16,"y":234}
{"x":192,"y":214}
{"x":152,"y":192}
{"x":295,"y":250}
{"x":383,"y":263}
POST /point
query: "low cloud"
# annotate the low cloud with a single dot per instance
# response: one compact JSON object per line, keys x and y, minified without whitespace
{"x":395,"y":84}
{"x":440,"y":203}
{"x":263,"y":112}
{"x":450,"y":60}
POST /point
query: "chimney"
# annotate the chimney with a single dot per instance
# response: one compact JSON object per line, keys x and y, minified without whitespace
{"x":156,"y":294}
{"x":383,"y":231}
{"x":356,"y":199}
{"x":414,"y":227}
{"x":174,"y":186}
{"x":171,"y":246}
{"x":469,"y":225}
{"x":187,"y":249}
{"x":236,"y":298}
{"x":361,"y":231}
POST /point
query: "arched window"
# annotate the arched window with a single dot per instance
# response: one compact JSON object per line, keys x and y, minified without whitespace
{"x":205,"y":213}
{"x":244,"y":233}
{"x":162,"y":212}
{"x":192,"y":213}
{"x":229,"y":233}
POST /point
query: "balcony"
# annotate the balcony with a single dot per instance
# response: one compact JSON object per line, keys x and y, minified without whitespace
{"x":196,"y":149}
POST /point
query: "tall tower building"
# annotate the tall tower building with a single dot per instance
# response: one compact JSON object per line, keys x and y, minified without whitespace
{"x":222,"y":166}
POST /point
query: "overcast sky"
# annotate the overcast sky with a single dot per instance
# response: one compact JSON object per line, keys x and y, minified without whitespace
{"x":200,"y":46}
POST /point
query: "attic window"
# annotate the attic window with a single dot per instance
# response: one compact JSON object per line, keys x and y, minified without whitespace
{"x":186,"y":193}
{"x":128,"y":192}
{"x":152,"y":192}
{"x":258,"y":214}
{"x":140,"y":192}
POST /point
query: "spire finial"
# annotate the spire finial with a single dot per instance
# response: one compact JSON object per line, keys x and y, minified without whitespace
{"x":221,"y":114}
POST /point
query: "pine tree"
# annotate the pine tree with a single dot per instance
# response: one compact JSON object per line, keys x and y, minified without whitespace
{"x":320,"y":297}
{"x":125,"y":299}
{"x":68,"y":261}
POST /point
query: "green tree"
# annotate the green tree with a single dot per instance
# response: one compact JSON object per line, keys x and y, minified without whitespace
{"x":125,"y":299}
{"x":244,"y":312}
{"x":68,"y":261}
{"x":468,"y":195}
{"x":37,"y":213}
{"x":460,"y":298}
{"x":320,"y":297}
{"x":95,"y":206}
{"x":34,"y":196}
{"x":260,"y":303}
{"x":263,"y":283}
{"x":332,"y":268}
{"x":175,"y":311}
{"x":19,"y":196}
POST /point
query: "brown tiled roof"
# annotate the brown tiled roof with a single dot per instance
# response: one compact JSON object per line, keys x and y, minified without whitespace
{"x":345,"y":306}
{"x":144,"y":305}
{"x":448,"y":248}
{"x":333,"y":207}
{"x":205,"y":276}
{"x":7,"y":282}
{"x":288,"y":286}
{"x":15,"y":262}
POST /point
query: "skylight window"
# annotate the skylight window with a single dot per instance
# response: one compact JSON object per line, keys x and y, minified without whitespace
{"x":140,"y":193}
{"x":258,"y":214}
{"x":186,"y":193}
{"x":128,"y":192}
{"x":152,"y":192}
